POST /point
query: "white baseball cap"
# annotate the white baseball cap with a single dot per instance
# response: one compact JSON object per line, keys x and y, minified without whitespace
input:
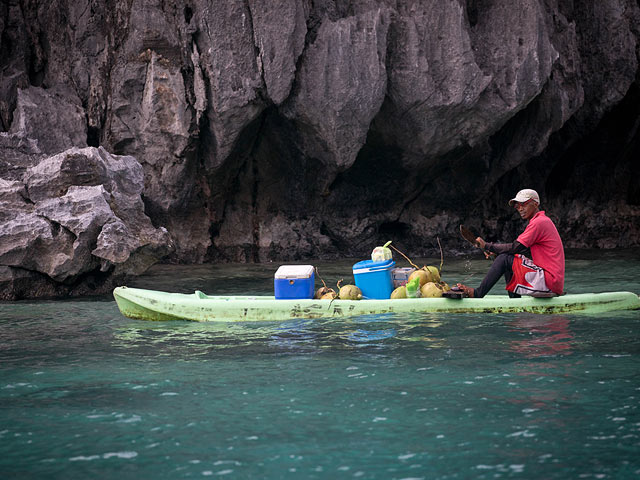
{"x":524,"y":195}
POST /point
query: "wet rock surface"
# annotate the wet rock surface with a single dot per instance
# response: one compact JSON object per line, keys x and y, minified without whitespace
{"x":138,"y":130}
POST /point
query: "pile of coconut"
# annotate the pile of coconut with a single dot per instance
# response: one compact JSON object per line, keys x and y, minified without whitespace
{"x":424,"y":282}
{"x":345,"y":292}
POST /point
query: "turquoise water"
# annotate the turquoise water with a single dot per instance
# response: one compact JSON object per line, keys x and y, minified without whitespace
{"x":87,"y":393}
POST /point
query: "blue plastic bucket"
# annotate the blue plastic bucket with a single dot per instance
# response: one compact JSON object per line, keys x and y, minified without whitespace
{"x":374,"y":278}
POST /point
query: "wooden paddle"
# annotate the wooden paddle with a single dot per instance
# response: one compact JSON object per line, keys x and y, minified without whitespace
{"x":471,"y":238}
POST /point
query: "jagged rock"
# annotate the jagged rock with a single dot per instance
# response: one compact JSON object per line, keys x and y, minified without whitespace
{"x":53,"y":117}
{"x":279,"y":35}
{"x":334,"y":123}
{"x":76,"y":214}
{"x":45,"y":122}
{"x":228,"y":61}
{"x":16,"y":155}
{"x":30,"y":242}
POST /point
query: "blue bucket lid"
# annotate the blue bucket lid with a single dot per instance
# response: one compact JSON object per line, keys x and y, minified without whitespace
{"x":370,"y":264}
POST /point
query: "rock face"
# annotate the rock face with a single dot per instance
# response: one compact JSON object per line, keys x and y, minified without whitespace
{"x":297,"y":129}
{"x":75,"y":225}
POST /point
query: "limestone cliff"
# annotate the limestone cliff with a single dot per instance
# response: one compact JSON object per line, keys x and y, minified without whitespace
{"x":315,"y":129}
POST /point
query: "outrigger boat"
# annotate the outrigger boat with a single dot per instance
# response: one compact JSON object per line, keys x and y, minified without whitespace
{"x":161,"y":306}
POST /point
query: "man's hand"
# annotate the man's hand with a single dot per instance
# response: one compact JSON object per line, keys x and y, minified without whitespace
{"x":482,"y":244}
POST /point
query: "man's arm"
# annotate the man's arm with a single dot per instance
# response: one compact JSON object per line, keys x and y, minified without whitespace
{"x":512,"y":248}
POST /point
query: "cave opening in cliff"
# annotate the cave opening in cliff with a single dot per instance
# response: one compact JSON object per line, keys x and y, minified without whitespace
{"x":394,"y":228}
{"x":93,"y":137}
{"x":376,"y":179}
{"x":603,"y":166}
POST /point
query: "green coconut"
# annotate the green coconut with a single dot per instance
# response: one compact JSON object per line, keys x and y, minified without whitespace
{"x":350,"y":292}
{"x":430,"y":290}
{"x":434,"y":274}
{"x":400,"y":292}
{"x":422,"y":274}
{"x":445,"y":286}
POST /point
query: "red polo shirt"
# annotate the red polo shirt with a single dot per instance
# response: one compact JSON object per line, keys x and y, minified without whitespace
{"x":547,"y":252}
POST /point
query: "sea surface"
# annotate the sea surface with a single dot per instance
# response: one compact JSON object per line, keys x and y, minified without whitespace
{"x":86,"y":393}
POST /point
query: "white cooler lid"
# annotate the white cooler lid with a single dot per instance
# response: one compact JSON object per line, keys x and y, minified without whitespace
{"x":294,"y":271}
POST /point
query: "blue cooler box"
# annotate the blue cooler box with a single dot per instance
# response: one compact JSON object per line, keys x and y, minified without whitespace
{"x":374,"y":278}
{"x":294,"y":282}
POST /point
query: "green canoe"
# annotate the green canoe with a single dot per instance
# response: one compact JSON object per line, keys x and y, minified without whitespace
{"x":155,"y":305}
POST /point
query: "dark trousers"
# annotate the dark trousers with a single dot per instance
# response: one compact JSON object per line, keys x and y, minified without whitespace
{"x":502,"y":265}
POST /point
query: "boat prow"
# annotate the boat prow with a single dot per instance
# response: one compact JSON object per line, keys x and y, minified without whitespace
{"x":162,"y":306}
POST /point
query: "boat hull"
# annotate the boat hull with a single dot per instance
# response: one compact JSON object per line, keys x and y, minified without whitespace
{"x":163,"y":306}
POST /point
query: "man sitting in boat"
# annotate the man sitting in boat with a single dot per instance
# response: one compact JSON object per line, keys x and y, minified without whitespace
{"x":543,"y":274}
